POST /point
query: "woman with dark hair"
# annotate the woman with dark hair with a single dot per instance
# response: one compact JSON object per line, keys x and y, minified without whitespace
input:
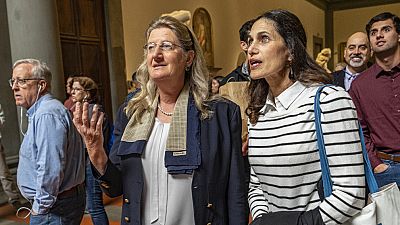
{"x":84,"y":89}
{"x":283,"y":153}
{"x":215,"y":83}
{"x":177,"y":161}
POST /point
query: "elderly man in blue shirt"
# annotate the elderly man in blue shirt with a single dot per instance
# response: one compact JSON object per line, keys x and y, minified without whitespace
{"x":51,"y":160}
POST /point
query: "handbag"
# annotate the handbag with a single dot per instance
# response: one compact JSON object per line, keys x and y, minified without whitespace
{"x":383,"y":206}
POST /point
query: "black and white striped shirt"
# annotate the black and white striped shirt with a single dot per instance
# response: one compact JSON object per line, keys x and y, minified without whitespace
{"x":284,"y":158}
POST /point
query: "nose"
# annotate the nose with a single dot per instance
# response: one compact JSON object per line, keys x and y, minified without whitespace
{"x":14,"y":85}
{"x":251,"y":49}
{"x":157,"y":53}
{"x":379,"y":34}
{"x":157,"y":50}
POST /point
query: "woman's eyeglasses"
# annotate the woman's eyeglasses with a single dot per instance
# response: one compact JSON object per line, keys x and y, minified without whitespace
{"x":165,"y":46}
{"x":77,"y":89}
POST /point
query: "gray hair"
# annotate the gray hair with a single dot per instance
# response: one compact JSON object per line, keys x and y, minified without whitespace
{"x":39,"y":69}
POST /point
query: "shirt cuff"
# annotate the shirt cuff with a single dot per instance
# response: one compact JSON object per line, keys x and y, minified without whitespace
{"x":375,"y":160}
{"x":39,"y":210}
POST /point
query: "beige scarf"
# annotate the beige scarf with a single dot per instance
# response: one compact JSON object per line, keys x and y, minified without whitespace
{"x":176,"y":141}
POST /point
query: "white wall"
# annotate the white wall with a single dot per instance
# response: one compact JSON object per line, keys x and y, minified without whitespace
{"x":227,"y":16}
{"x":347,"y":22}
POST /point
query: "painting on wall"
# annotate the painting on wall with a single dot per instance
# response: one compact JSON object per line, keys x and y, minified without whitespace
{"x":202,"y":27}
{"x":341,"y":47}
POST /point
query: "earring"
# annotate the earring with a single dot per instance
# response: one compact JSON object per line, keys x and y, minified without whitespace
{"x":187,"y":68}
{"x":291,"y":74}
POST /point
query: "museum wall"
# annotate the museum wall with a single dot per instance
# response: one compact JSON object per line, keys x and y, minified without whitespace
{"x":227,"y":16}
{"x":349,"y":21}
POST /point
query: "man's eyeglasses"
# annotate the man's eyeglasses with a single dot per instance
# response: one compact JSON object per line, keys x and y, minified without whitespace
{"x":21,"y":82}
{"x":165,"y":46}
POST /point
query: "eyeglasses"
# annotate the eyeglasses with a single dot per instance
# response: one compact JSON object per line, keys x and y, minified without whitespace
{"x":165,"y":46}
{"x":21,"y":82}
{"x":77,"y":89}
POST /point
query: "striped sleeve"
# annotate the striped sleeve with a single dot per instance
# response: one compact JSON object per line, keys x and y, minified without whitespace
{"x":257,"y":201}
{"x":340,"y":129}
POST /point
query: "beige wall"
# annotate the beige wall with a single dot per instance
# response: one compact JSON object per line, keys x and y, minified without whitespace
{"x":349,"y":21}
{"x":227,"y":16}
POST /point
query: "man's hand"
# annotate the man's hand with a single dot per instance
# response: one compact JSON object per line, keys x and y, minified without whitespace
{"x":381,"y":168}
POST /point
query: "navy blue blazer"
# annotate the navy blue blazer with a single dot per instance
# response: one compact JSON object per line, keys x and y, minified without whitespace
{"x":338,"y":78}
{"x":219,"y":186}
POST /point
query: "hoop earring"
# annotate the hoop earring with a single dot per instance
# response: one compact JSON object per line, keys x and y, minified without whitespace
{"x":187,"y":68}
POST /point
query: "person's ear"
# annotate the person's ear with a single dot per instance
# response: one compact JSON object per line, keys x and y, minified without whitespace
{"x":244,"y":46}
{"x":41,"y":86}
{"x":189,"y":58}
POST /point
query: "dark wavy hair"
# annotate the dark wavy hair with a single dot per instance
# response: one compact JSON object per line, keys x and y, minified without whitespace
{"x":303,"y":67}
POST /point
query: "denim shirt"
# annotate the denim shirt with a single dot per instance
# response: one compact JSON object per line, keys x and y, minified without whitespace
{"x":51,"y":158}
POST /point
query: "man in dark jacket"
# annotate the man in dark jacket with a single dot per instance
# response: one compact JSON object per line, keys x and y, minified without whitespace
{"x":356,"y":55}
{"x":241,"y":73}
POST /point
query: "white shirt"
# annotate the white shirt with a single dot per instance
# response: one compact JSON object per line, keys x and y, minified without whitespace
{"x":167,"y":199}
{"x":348,"y":78}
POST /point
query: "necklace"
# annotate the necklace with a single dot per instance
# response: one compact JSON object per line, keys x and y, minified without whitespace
{"x":163,"y":112}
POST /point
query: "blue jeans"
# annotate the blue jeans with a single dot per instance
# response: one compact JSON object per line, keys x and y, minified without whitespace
{"x":94,"y":199}
{"x":66,"y":211}
{"x":392,"y":174}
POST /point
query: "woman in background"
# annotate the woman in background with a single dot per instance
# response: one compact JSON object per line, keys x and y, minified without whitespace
{"x":84,"y":89}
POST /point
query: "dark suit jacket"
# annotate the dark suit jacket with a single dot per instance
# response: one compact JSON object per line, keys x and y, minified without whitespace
{"x":219,"y":188}
{"x":338,"y":78}
{"x":235,"y":76}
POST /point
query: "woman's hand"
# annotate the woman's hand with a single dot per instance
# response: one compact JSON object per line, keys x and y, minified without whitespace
{"x":92,"y":133}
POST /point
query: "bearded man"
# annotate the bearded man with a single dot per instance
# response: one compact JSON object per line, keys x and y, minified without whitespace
{"x":356,"y":55}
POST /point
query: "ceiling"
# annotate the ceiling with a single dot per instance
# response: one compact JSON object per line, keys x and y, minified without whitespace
{"x":335,"y":5}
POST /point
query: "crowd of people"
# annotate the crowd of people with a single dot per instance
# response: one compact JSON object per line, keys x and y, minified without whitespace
{"x":177,"y":154}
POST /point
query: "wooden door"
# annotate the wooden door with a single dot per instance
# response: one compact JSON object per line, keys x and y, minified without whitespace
{"x":83,"y":43}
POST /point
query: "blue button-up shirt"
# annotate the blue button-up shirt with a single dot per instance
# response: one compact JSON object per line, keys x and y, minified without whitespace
{"x":51,"y":158}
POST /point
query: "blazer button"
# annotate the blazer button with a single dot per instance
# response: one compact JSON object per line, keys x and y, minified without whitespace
{"x":209,"y":205}
{"x":127,"y":219}
{"x":105,"y":185}
{"x":126,"y":200}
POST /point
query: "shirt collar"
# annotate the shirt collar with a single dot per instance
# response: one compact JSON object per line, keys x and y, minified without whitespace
{"x":286,"y":98}
{"x":245,"y":68}
{"x":378,"y":71}
{"x":33,"y":108}
{"x":348,"y":73}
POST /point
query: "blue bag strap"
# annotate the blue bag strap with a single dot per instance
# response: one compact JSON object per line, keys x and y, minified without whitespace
{"x":326,"y":177}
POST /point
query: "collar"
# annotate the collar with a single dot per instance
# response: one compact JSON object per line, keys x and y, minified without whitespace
{"x":286,"y":98}
{"x":245,"y":68}
{"x":182,"y":153}
{"x":378,"y":71}
{"x":38,"y":102}
{"x":347,"y":72}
